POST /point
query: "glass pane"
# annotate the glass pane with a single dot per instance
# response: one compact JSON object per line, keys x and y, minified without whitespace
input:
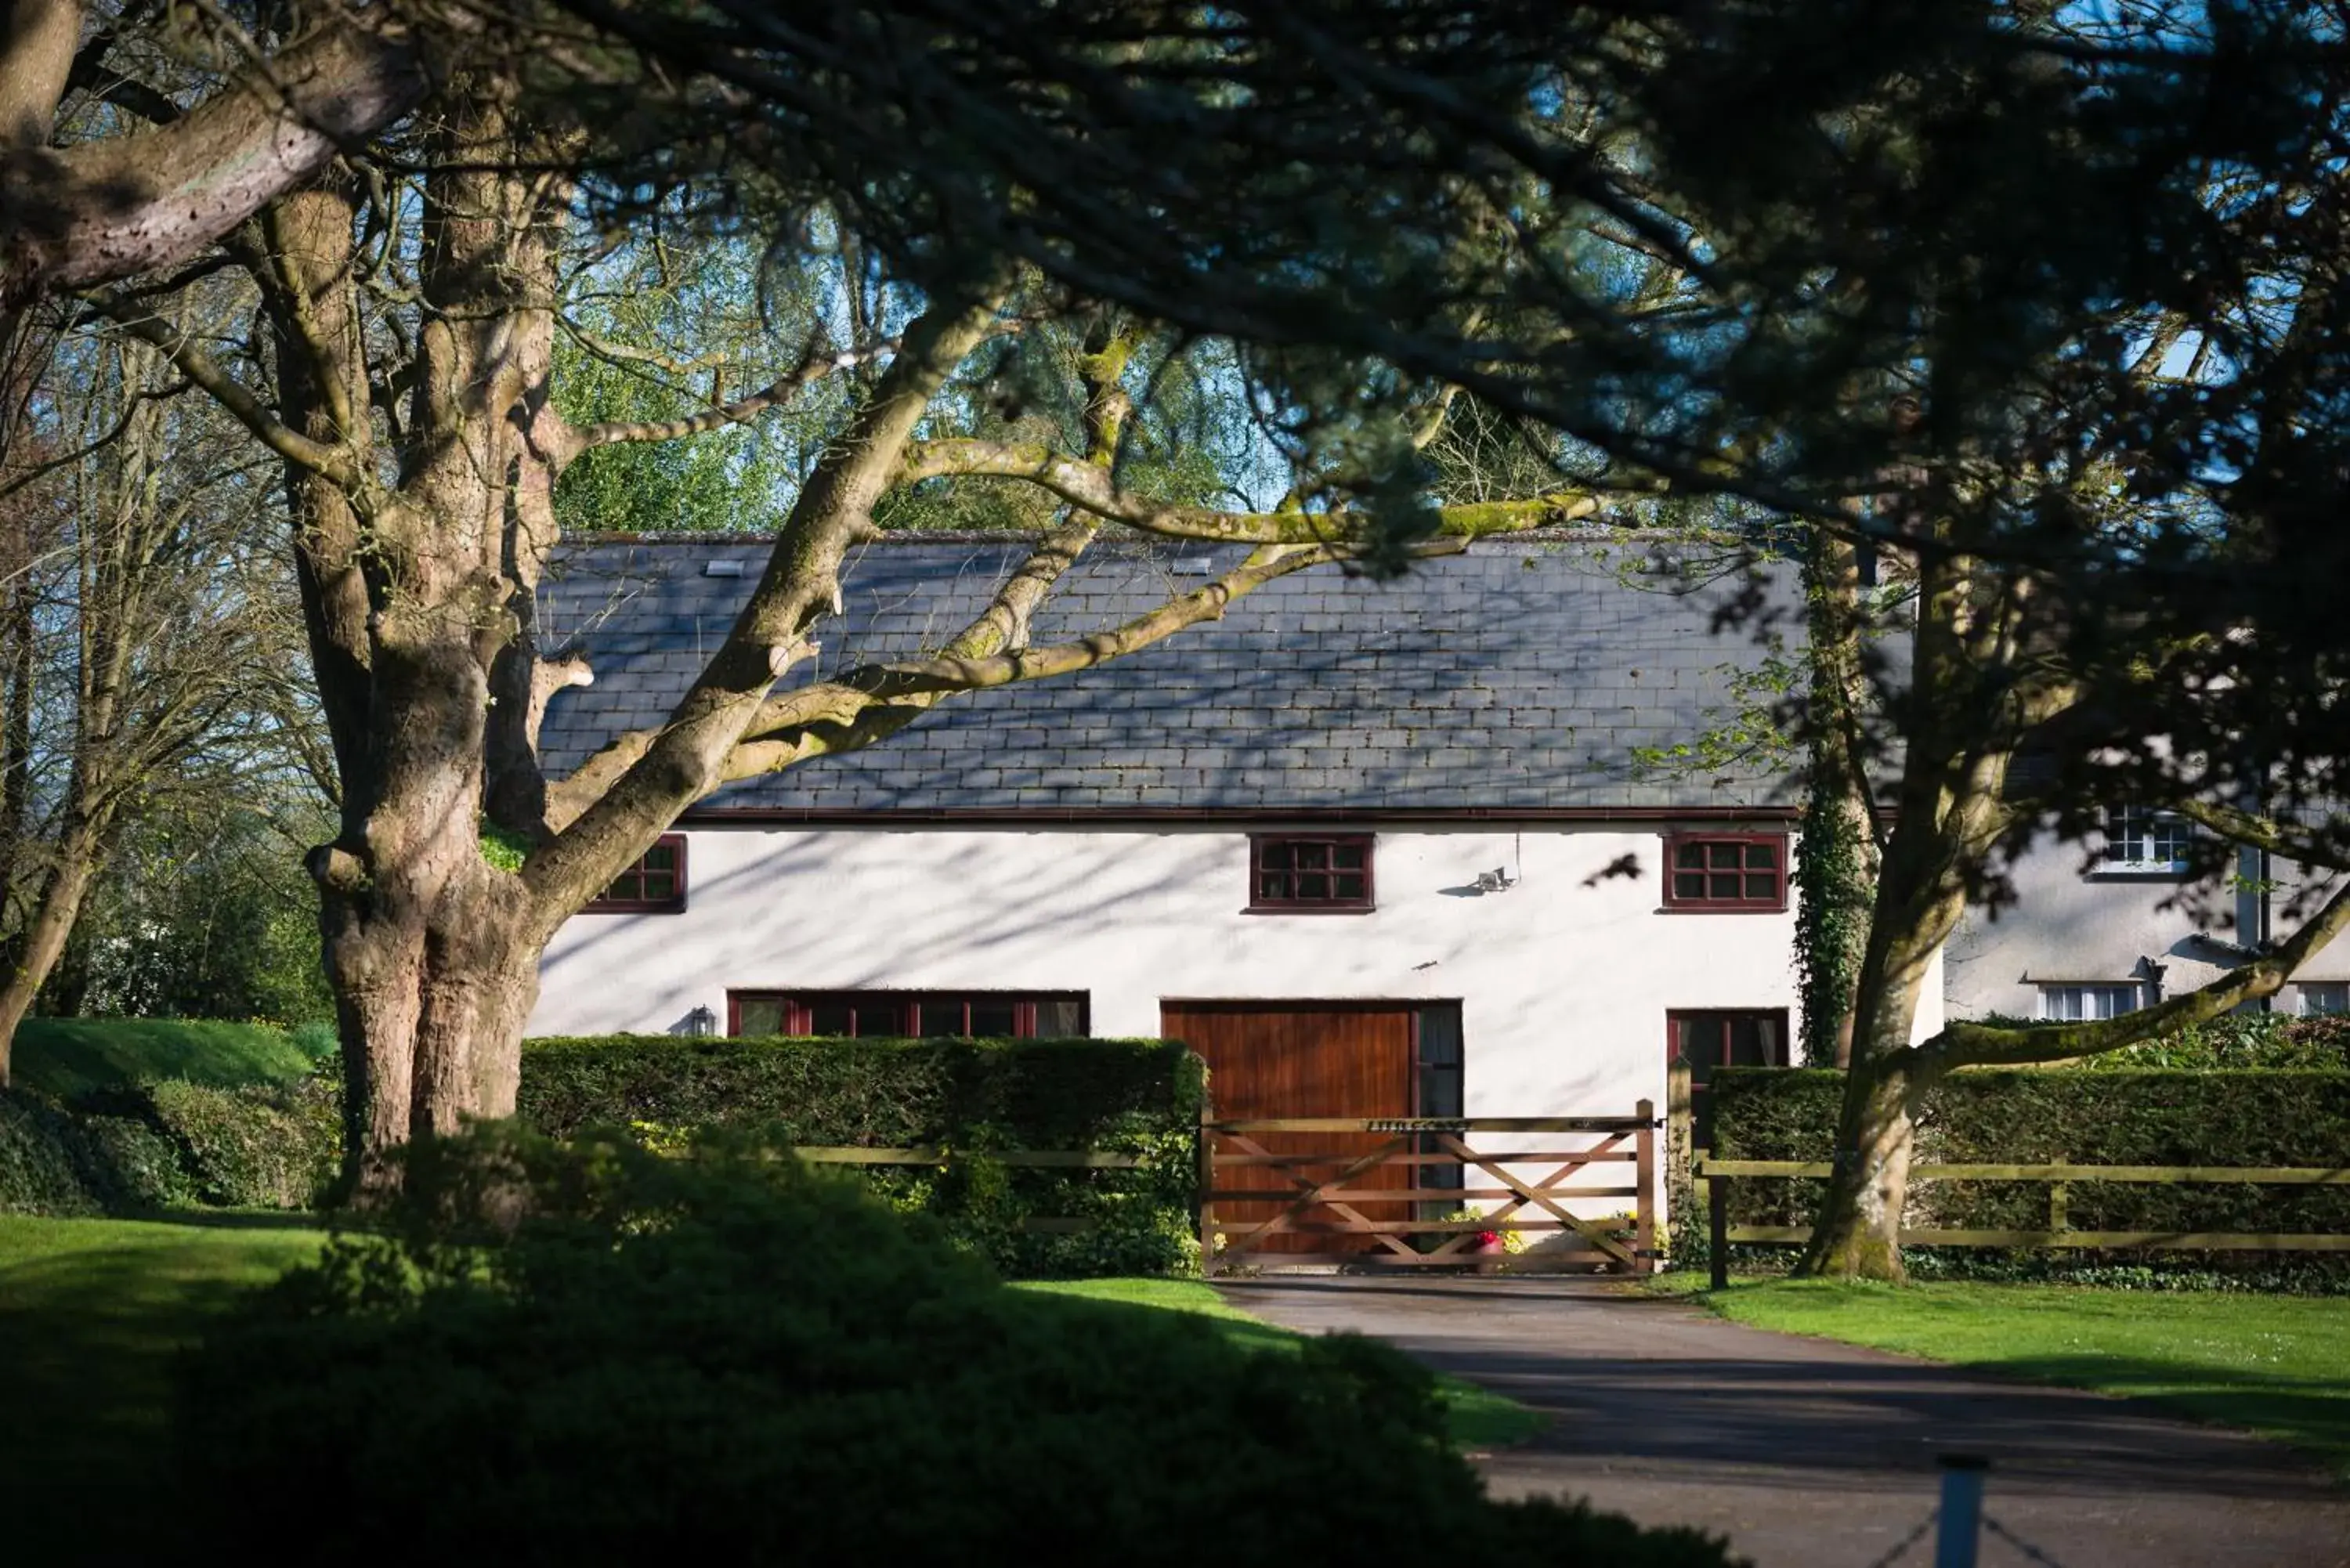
{"x":1349,"y":886}
{"x":1314,"y":856}
{"x":1767,"y":1031}
{"x":1060,"y":1019}
{"x":1762,"y":887}
{"x":1313,"y":885}
{"x":1272,"y":887}
{"x":1692,"y":854}
{"x":1717,"y":886}
{"x":831,"y":1020}
{"x":661,"y":857}
{"x":1762,"y":856}
{"x":880,"y":1020}
{"x":759,"y":1015}
{"x":1722,"y":857}
{"x":626,"y":886}
{"x":660,"y":887}
{"x":1274,"y":856}
{"x":1347,"y":856}
{"x":992,"y":1018}
{"x":1689,"y":885}
{"x":1746,"y":1041}
{"x":939,"y":1016}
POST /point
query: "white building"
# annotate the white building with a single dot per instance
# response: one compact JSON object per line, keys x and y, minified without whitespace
{"x":1374,"y":850}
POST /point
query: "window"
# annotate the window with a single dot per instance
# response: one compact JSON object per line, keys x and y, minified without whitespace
{"x":1325,"y":873}
{"x":2078,"y":1003}
{"x":1745,"y":1037}
{"x":655,"y":885}
{"x":900,"y":1014}
{"x":2140,"y":839}
{"x":1436,"y":1067}
{"x":1726,"y":871}
{"x":2323,"y":997}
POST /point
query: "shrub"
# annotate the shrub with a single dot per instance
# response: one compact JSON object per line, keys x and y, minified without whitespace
{"x":258,"y":1146}
{"x":54,"y":1162}
{"x":972,"y":1097}
{"x":595,"y":1353}
{"x":2111,"y":1116}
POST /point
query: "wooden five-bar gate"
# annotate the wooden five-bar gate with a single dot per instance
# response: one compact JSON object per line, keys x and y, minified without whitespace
{"x":1357,"y":1190}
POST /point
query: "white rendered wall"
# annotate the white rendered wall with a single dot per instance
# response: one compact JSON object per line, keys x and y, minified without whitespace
{"x":2070,"y":923}
{"x":1563,"y":979}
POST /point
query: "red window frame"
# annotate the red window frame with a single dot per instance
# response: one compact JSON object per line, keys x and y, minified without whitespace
{"x":915,"y":1010}
{"x":613,"y":901}
{"x":1275,"y":863}
{"x":1679,"y":847}
{"x":1720,"y":1022}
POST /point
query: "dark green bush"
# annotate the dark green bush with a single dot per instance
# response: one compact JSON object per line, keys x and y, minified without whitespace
{"x":53,"y":1161}
{"x":2111,"y":1116}
{"x":257,"y":1146}
{"x":591,"y":1354}
{"x":970,"y":1096}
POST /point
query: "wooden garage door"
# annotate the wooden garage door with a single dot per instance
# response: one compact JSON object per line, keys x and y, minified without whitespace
{"x":1303,"y":1059}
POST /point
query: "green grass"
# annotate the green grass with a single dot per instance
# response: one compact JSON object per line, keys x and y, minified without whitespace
{"x":91,"y":1313}
{"x":64,"y":1057}
{"x":1481,"y":1419}
{"x":2279,"y":1366}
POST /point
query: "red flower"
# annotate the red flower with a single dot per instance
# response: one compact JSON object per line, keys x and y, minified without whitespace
{"x":1489,"y":1237}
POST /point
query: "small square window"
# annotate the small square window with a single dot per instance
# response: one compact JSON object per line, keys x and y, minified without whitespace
{"x":2140,"y":839}
{"x":1310,"y":873}
{"x":655,"y":885}
{"x":1743,"y":871}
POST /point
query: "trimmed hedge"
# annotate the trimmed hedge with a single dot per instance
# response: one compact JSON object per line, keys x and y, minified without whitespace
{"x":53,"y":1161}
{"x":258,"y":1146}
{"x":2062,"y":1114}
{"x":969,"y":1097}
{"x":513,"y":1374}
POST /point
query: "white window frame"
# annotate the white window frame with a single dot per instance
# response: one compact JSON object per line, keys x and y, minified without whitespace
{"x":2135,"y":827}
{"x":2308,"y":992}
{"x":2088,"y":1001}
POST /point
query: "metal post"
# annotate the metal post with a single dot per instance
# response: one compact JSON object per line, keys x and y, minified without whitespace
{"x":1717,"y":1203}
{"x":1959,"y":1527}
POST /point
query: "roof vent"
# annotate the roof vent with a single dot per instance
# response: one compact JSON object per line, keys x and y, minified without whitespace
{"x":721,"y":568}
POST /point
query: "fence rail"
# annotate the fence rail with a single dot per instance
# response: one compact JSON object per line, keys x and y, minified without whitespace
{"x":1313,"y":1187}
{"x":1717,"y":1174}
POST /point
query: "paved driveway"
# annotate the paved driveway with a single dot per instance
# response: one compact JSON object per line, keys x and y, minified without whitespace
{"x":1809,"y":1454}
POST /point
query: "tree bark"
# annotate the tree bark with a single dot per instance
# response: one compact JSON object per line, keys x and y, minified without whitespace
{"x":65,"y":884}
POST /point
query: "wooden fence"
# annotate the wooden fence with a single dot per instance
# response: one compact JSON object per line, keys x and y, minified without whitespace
{"x":1322,"y":1185}
{"x":1048,"y":1158}
{"x":1717,"y":1174}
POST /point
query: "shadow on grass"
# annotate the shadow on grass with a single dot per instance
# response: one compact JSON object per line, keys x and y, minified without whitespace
{"x":2311,"y":1414}
{"x":88,"y":1473}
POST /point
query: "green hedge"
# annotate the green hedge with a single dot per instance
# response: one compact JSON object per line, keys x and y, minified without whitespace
{"x":2111,"y":1116}
{"x":56,"y":1161}
{"x":969,"y":1097}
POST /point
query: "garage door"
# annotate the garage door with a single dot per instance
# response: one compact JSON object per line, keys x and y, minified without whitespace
{"x":1272,"y":1059}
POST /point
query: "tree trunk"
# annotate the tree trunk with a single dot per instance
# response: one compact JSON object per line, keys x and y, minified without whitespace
{"x":1857,"y":1232}
{"x":63,"y":889}
{"x":1835,"y":849}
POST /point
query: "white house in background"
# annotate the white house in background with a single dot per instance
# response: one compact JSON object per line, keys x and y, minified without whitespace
{"x":1373,"y":849}
{"x":2113,"y":925}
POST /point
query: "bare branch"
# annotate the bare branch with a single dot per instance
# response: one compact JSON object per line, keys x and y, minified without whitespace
{"x":2264,"y":833}
{"x":330,"y":462}
{"x":1092,"y":487}
{"x":812,"y":367}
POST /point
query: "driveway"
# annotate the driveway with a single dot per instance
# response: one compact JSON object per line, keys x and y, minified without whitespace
{"x":1809,"y":1454}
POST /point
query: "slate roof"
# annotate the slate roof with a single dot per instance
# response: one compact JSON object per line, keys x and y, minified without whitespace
{"x":1522,"y":674}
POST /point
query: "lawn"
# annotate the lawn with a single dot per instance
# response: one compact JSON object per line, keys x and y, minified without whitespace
{"x":1481,"y":1419}
{"x":64,"y":1057}
{"x":2279,"y":1366}
{"x":90,"y":1312}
